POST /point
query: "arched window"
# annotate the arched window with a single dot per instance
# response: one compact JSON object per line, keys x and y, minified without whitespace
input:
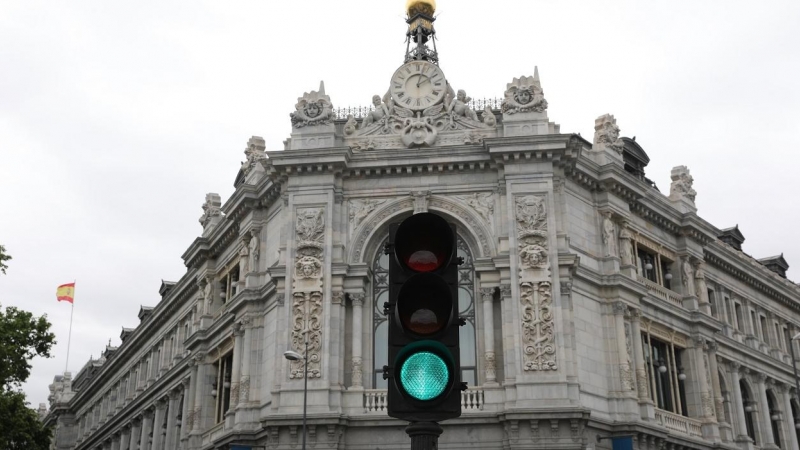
{"x":749,"y":409}
{"x":466,"y":306}
{"x":774,"y":417}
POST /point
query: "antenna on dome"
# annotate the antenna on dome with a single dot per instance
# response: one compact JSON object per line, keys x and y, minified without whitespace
{"x":420,"y":31}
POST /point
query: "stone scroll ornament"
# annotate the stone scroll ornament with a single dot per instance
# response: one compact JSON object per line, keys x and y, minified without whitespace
{"x":536,"y":295}
{"x":307,"y":292}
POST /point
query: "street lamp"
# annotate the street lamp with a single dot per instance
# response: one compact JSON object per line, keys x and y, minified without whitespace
{"x":294,"y":356}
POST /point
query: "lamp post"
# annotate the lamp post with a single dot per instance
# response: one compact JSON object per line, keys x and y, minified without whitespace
{"x":294,"y":356}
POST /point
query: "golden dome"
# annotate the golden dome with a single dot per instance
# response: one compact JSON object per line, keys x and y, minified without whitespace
{"x":420,"y":6}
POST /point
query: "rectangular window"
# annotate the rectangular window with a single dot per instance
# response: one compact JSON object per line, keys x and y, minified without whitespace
{"x":787,"y":340}
{"x":228,"y":284}
{"x":664,"y":369}
{"x":754,"y":324}
{"x":221,"y":387}
{"x":739,"y":317}
{"x":713,"y":302}
{"x":728,"y":313}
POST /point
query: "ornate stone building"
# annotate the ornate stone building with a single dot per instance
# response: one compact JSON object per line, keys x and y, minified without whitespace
{"x":596,"y":305}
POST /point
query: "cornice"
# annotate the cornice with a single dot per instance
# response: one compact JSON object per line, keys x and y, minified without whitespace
{"x":563,"y":150}
{"x":747,"y":269}
{"x":281,"y":164}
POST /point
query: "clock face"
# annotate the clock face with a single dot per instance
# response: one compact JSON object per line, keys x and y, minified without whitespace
{"x":418,"y":85}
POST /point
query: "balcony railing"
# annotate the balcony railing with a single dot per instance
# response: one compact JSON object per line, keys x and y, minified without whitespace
{"x":678,"y":423}
{"x":375,"y":400}
{"x":662,"y":292}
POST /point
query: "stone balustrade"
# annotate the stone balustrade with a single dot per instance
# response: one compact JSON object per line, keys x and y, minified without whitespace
{"x":678,"y":423}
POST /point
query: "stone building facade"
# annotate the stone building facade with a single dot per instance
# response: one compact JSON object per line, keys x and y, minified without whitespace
{"x":596,"y":305}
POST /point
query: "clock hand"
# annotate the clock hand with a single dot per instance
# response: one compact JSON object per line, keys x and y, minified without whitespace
{"x":420,"y":81}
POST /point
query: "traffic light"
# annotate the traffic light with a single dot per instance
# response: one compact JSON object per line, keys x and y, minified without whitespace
{"x":424,"y":369}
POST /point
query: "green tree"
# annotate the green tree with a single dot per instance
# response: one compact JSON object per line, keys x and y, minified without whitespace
{"x":22,"y":337}
{"x":3,"y":258}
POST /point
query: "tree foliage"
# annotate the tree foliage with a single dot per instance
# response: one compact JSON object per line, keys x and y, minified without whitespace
{"x":3,"y":258}
{"x":20,"y":427}
{"x":22,"y":337}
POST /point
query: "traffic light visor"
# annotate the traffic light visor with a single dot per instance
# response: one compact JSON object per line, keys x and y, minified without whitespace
{"x":424,"y":243}
{"x":424,"y":305}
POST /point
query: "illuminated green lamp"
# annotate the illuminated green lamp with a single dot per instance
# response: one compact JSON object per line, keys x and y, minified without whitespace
{"x":424,"y":376}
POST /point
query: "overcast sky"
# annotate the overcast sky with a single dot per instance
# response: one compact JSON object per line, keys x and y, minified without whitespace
{"x":116,"y":118}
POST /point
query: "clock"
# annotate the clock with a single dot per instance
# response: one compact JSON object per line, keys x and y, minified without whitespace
{"x":417,"y":85}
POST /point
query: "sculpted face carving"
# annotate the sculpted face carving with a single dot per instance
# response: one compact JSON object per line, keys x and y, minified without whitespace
{"x":313,"y":110}
{"x":376,"y":100}
{"x":308,"y":267}
{"x":524,"y":97}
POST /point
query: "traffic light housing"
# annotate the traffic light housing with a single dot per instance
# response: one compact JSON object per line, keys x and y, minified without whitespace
{"x":424,"y":370}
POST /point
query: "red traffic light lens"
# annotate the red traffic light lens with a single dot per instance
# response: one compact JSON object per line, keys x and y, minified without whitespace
{"x":424,"y":305}
{"x":424,"y":243}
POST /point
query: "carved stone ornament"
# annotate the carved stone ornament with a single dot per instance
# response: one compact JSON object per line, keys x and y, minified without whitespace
{"x":254,"y":154}
{"x":488,"y":117}
{"x":688,"y":276}
{"x":211,"y":208}
{"x":244,"y":258}
{"x":361,"y":208}
{"x":350,"y":126}
{"x":307,"y":292}
{"x":625,"y":247}
{"x":531,"y":215}
{"x":606,"y":134}
{"x":538,"y":335}
{"x":681,"y":186}
{"x":482,"y":203}
{"x":421,"y":199}
{"x":491,"y":366}
{"x":244,"y":389}
{"x":626,"y":376}
{"x":358,"y":375}
{"x":254,"y":249}
{"x":313,"y":108}
{"x":391,"y":125}
{"x":524,"y":94}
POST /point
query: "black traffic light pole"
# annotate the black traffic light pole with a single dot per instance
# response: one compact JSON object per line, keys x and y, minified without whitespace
{"x":424,"y":435}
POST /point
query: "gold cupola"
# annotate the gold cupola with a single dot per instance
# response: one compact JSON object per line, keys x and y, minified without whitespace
{"x":420,"y":29}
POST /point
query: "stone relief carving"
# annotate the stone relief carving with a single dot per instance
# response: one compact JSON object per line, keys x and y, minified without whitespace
{"x":357,"y":370}
{"x":419,"y":131}
{"x":606,"y":134}
{"x":681,"y":186}
{"x":211,"y":208}
{"x":307,"y":292}
{"x":254,"y":154}
{"x":538,"y":326}
{"x":421,"y":199}
{"x":524,"y":94}
{"x":244,"y":258}
{"x":360,"y":209}
{"x":381,"y":114}
{"x":244,"y":390}
{"x":538,"y":338}
{"x":459,"y":107}
{"x":531,"y":214}
{"x":609,"y":235}
{"x":467,"y":218}
{"x":482,"y":203}
{"x":313,"y":108}
{"x":700,"y":287}
{"x":373,"y":223}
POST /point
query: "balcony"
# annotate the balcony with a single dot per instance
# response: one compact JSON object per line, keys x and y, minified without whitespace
{"x":679,"y":424}
{"x":375,"y":400}
{"x":662,"y":292}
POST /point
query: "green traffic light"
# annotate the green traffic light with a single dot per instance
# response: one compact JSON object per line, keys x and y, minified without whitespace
{"x":424,"y":375}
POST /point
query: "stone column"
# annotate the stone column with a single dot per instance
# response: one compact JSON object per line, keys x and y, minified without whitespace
{"x":487,"y":295}
{"x":788,"y":418}
{"x":510,"y":358}
{"x":158,"y":424}
{"x":199,"y":389}
{"x":115,"y":442}
{"x":238,"y":332}
{"x":625,"y":377}
{"x":358,"y":323}
{"x":125,"y":438}
{"x":642,"y":382}
{"x":719,"y":408}
{"x":766,"y":422}
{"x":738,"y":404}
{"x":136,"y":433}
{"x":187,"y":414}
{"x":171,"y":441}
{"x":246,"y":352}
{"x":147,"y":428}
{"x":706,"y":400}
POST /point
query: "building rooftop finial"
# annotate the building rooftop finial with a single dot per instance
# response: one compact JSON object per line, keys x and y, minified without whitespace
{"x":420,"y":30}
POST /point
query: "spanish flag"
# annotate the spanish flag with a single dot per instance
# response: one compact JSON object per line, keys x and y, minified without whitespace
{"x":66,"y":292}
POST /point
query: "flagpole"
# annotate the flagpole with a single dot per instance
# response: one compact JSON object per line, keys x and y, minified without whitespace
{"x":69,"y":338}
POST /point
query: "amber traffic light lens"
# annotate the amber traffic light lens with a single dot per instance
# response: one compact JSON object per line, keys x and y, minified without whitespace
{"x":424,"y":305}
{"x":424,"y":243}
